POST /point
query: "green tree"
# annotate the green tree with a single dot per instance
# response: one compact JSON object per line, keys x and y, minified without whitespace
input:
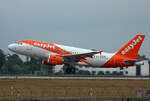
{"x":108,"y":73}
{"x":101,"y":73}
{"x":26,"y":69}
{"x":15,"y":69}
{"x":149,"y":67}
{"x":48,"y":68}
{"x":35,"y":64}
{"x":13,"y":63}
{"x":2,"y":58}
{"x":14,"y":59}
{"x":4,"y":69}
{"x":93,"y":72}
{"x":115,"y":73}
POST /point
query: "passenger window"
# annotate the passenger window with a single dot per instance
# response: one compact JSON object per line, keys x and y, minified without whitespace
{"x":19,"y":43}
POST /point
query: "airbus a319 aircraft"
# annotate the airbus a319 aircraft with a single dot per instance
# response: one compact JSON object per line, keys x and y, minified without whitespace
{"x":55,"y":54}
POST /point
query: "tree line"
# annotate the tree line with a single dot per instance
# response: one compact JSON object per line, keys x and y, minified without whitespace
{"x":13,"y":64}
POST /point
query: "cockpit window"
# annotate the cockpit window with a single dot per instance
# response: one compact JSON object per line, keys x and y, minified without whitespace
{"x":19,"y":43}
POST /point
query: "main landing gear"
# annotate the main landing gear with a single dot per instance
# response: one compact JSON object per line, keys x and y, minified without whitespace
{"x":70,"y":69}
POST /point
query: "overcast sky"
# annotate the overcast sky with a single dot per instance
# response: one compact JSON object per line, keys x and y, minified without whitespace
{"x":93,"y":24}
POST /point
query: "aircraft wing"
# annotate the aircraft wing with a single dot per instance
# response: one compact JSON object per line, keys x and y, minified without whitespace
{"x":78,"y":57}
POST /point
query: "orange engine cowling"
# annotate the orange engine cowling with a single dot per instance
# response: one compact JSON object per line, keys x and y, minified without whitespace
{"x":54,"y":60}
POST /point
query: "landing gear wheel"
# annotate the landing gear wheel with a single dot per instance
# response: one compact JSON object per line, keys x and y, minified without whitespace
{"x":68,"y":70}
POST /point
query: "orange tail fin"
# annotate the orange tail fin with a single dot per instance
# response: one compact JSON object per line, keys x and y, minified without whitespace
{"x":127,"y":52}
{"x":131,"y":49}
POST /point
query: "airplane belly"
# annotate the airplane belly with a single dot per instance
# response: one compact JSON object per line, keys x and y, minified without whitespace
{"x":96,"y":62}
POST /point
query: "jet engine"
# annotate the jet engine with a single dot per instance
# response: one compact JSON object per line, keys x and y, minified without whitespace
{"x":54,"y":60}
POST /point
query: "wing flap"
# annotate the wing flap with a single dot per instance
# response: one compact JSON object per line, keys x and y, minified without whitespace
{"x":78,"y":57}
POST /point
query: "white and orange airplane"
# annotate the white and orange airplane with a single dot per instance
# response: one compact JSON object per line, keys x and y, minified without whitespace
{"x":54,"y":54}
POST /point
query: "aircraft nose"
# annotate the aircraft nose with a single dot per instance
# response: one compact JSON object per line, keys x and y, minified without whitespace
{"x":11,"y":47}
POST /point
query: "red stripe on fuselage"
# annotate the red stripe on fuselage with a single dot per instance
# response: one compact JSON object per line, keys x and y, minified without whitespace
{"x":49,"y":47}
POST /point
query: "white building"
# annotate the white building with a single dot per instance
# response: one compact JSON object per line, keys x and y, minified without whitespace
{"x":58,"y":68}
{"x":145,"y":69}
{"x":138,"y":70}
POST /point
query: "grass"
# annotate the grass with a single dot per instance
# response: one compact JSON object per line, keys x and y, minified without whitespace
{"x":52,"y":87}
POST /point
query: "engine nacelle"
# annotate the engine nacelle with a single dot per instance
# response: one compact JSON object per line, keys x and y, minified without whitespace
{"x":54,"y":60}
